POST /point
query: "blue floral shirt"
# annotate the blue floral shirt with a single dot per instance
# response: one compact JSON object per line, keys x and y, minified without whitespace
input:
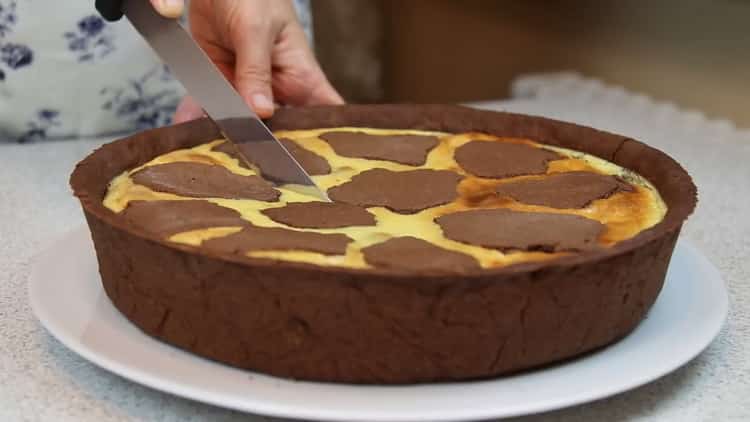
{"x":67,"y":73}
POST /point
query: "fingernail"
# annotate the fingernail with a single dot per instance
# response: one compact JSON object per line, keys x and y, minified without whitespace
{"x":261,"y":103}
{"x":171,"y":8}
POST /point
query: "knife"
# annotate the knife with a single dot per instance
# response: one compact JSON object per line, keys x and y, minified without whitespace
{"x":251,"y":138}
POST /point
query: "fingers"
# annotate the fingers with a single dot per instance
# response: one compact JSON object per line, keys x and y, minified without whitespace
{"x":298,"y":79}
{"x":261,"y":48}
{"x":169,"y":8}
{"x":188,"y":110}
{"x":252,"y":73}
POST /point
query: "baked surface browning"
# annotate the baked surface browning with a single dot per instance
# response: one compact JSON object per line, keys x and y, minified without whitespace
{"x":390,"y":184}
{"x":374,"y":314}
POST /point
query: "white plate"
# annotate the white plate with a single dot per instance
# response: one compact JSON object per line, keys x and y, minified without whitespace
{"x":67,"y":297}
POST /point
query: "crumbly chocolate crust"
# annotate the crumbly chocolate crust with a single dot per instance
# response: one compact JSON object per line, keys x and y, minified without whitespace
{"x":524,"y":231}
{"x":313,"y":163}
{"x":404,"y":149}
{"x":401,"y":191}
{"x":417,"y":255}
{"x":171,"y":217}
{"x":382,"y":325}
{"x":575,"y":189}
{"x":499,"y":160}
{"x":204,"y":181}
{"x":321,"y":215}
{"x":273,"y":238}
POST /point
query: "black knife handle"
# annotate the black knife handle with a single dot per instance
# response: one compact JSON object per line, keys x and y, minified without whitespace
{"x":111,"y":10}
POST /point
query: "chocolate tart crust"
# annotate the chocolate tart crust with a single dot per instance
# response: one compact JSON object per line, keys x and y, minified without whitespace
{"x":388,"y":326}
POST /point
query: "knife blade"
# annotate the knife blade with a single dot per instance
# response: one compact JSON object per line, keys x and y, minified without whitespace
{"x":254,"y":142}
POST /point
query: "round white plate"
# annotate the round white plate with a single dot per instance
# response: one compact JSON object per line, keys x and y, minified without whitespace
{"x":67,"y":297}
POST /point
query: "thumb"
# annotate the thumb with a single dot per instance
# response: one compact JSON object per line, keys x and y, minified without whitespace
{"x":169,"y":8}
{"x":252,"y":73}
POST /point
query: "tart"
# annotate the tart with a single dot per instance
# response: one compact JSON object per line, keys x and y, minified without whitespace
{"x":460,"y":244}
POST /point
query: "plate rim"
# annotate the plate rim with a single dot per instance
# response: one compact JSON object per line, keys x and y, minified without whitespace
{"x":197,"y":393}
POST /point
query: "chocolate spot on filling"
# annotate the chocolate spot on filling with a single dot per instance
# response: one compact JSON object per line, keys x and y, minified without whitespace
{"x":527,"y":231}
{"x":273,"y":238}
{"x":503,"y":159}
{"x":313,"y":163}
{"x":404,"y":149}
{"x":321,"y":215}
{"x":204,"y":181}
{"x":403,"y":191}
{"x":564,"y":190}
{"x":410,"y":253}
{"x":167,"y":218}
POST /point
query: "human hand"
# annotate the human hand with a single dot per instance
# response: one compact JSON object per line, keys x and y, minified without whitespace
{"x":260,"y":46}
{"x":169,"y":8}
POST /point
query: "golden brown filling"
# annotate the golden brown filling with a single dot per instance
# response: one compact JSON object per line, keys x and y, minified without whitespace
{"x":404,"y":199}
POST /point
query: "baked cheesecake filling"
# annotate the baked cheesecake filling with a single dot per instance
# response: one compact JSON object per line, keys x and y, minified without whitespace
{"x":403,"y":199}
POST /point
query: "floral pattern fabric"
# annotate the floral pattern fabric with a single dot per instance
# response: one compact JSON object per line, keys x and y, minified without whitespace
{"x":67,"y":73}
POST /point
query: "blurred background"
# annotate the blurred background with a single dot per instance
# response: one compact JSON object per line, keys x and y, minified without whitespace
{"x":695,"y":53}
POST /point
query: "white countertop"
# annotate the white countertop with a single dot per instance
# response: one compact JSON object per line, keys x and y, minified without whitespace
{"x":42,"y":380}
